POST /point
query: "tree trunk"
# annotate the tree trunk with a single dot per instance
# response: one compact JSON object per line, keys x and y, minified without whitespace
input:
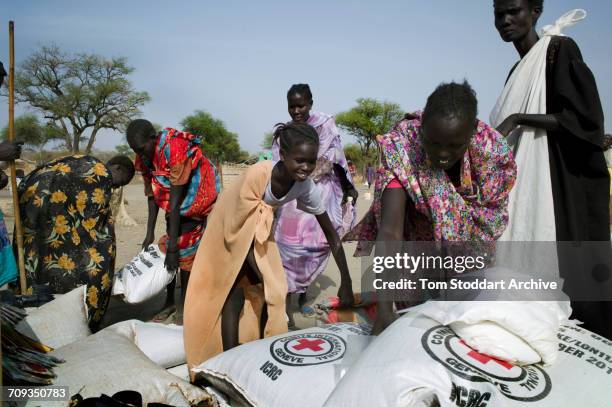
{"x":92,"y":138}
{"x":67,"y":138}
{"x":76,"y":143}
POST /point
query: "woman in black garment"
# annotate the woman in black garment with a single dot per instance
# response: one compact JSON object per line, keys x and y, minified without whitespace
{"x":574,"y":124}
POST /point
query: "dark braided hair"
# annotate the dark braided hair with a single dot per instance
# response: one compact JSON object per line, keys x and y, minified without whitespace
{"x":302,"y":89}
{"x":292,"y":134}
{"x":140,"y":130}
{"x":452,"y":100}
{"x":124,"y":162}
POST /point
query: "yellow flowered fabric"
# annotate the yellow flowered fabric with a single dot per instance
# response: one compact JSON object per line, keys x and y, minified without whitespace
{"x":69,"y":236}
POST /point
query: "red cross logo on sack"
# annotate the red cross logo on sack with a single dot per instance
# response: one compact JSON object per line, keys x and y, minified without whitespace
{"x":310,"y":348}
{"x":484,"y":359}
{"x":521,"y":383}
{"x":309,"y":344}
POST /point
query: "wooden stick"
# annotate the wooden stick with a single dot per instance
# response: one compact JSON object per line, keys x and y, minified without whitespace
{"x":11,"y":137}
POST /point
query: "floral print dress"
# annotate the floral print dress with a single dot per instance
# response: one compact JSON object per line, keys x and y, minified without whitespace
{"x":69,"y":238}
{"x":476,"y":210}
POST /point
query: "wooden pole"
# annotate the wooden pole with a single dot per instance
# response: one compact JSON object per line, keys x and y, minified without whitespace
{"x":11,"y":137}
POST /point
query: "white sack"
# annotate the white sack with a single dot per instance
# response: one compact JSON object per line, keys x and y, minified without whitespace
{"x":108,"y":362}
{"x":58,"y":322}
{"x":143,"y":277}
{"x":416,"y":359}
{"x":163,"y":344}
{"x":531,"y":323}
{"x":299,"y":368}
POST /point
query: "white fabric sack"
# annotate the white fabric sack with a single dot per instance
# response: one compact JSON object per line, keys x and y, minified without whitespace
{"x":531,"y":197}
{"x":58,"y":322}
{"x":417,"y":362}
{"x":491,"y":339}
{"x":299,"y":368}
{"x":108,"y":362}
{"x":504,"y":329}
{"x":525,"y":92}
{"x":143,"y":277}
{"x":180,"y":371}
{"x":163,"y":344}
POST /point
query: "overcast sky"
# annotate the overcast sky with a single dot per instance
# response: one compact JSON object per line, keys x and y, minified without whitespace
{"x":237,"y":59}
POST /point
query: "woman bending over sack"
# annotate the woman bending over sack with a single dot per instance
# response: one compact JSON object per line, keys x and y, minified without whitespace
{"x":237,"y":289}
{"x":69,"y":236}
{"x":445,"y":176}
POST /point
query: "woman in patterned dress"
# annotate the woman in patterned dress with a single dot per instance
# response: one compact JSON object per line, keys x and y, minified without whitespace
{"x":69,"y":238}
{"x":444,"y":176}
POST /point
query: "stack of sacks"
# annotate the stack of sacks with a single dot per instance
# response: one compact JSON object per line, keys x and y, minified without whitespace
{"x":109,"y":361}
{"x":164,"y":345}
{"x":418,"y":362}
{"x":520,"y":332}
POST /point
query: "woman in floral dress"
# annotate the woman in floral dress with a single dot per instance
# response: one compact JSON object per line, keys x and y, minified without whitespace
{"x":69,"y":238}
{"x":445,"y":176}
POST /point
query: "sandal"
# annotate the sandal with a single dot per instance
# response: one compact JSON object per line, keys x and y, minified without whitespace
{"x":164,"y":314}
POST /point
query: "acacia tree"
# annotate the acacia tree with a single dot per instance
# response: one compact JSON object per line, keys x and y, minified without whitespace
{"x":218,"y":144}
{"x":79,"y":94}
{"x":32,"y":133}
{"x":369,"y":119}
{"x":267,"y":141}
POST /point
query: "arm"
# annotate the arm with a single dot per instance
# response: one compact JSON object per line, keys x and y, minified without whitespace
{"x":151,"y":221}
{"x":174,"y":225}
{"x":347,"y":187}
{"x":547,"y":122}
{"x":576,"y":105}
{"x":393,"y":209}
{"x":346,"y":285}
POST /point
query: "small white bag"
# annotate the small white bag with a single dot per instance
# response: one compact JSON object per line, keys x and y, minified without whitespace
{"x":143,"y":277}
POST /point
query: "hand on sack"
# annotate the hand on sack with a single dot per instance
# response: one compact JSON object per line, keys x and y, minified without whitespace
{"x":172,"y":260}
{"x":147,"y":242}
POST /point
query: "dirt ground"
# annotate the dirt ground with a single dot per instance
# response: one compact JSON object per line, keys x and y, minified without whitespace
{"x":129,"y":241}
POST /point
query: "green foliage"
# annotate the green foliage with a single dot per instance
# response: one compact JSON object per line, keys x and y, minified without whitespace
{"x":354,"y":153}
{"x":266,"y":144}
{"x":29,"y":130}
{"x":79,"y":94}
{"x":124,"y":149}
{"x":218,"y":144}
{"x":34,"y":135}
{"x":367,"y":120}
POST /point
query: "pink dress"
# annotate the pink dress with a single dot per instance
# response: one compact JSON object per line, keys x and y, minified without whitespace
{"x":303,"y":247}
